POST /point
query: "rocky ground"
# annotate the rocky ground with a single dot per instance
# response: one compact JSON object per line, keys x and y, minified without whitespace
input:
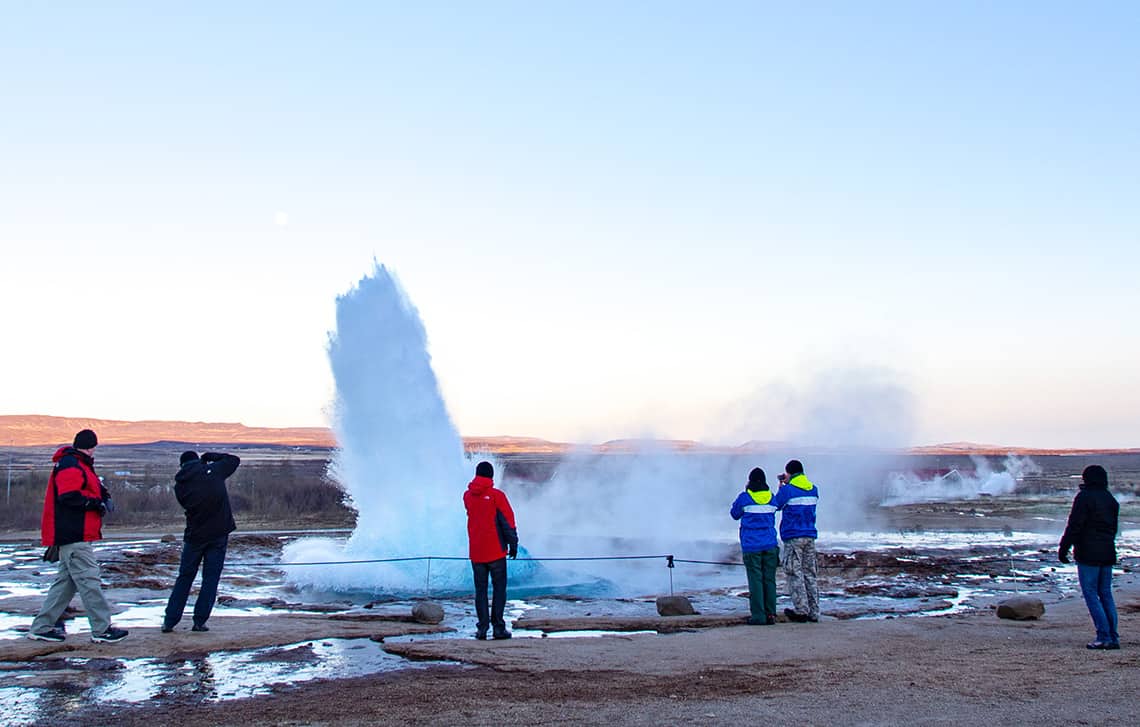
{"x":970,"y":668}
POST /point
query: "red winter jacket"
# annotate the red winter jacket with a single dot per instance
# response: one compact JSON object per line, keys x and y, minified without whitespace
{"x":490,"y":521}
{"x":73,"y":503}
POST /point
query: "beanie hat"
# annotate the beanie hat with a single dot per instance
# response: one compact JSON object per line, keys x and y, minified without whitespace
{"x":485,"y":469}
{"x":187,"y":456}
{"x":1095,"y":476}
{"x":85,"y":439}
{"x":794,"y":467}
{"x":757,"y":480}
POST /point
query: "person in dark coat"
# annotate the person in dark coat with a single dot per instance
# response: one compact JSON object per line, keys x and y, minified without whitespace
{"x":1091,"y":533}
{"x":492,"y":537}
{"x":200,"y":487}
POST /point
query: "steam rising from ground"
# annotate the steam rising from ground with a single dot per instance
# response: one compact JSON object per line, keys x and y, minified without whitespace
{"x":401,"y":462}
{"x":905,"y":488}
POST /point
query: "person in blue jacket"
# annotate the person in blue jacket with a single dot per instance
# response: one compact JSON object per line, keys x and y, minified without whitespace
{"x":757,"y":515}
{"x":796,"y":500}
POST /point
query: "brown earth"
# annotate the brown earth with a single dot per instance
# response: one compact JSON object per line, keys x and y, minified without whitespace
{"x":29,"y":430}
{"x":961,"y":669}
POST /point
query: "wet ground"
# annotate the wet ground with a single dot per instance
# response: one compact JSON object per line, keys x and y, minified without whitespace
{"x":938,"y":559}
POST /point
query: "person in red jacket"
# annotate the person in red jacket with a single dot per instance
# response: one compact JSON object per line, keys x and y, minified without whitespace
{"x":492,"y":537}
{"x":74,"y":505}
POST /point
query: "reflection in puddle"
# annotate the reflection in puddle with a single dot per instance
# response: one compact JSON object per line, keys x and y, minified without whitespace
{"x":32,"y":691}
{"x":222,"y":676}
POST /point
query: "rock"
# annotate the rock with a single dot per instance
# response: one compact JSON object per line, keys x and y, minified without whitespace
{"x":674,"y":606}
{"x":1021,"y":608}
{"x":168,"y":538}
{"x":426,"y":612}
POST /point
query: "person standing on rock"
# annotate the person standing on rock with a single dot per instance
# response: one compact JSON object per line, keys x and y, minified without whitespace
{"x":200,"y":486}
{"x":757,"y":515}
{"x":1091,"y":533}
{"x":492,"y":537}
{"x":74,"y":505}
{"x":797,"y":499}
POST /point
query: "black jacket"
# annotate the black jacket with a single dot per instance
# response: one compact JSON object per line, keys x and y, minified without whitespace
{"x":1091,"y":531}
{"x":200,"y":487}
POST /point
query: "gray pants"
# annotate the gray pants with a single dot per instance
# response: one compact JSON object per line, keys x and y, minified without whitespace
{"x":78,"y":572}
{"x":800,"y":571}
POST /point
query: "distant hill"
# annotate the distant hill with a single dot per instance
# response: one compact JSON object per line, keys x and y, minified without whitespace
{"x":36,"y":430}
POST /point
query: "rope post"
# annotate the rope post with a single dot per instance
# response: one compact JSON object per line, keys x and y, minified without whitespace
{"x":427,"y":586}
{"x":670,"y":566}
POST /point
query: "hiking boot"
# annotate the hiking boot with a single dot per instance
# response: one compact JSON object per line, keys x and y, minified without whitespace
{"x":502,"y":634}
{"x":110,"y":636}
{"x":52,"y":635}
{"x":795,"y":617}
{"x":199,"y":627}
{"x":481,"y":633}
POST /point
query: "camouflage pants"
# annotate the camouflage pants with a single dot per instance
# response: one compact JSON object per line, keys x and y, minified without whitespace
{"x":800,"y":572}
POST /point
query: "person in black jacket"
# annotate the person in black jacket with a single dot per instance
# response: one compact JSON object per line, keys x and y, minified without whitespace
{"x":1091,"y":533}
{"x":200,"y":487}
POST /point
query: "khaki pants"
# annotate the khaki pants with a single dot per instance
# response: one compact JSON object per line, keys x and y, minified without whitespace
{"x":78,"y":573}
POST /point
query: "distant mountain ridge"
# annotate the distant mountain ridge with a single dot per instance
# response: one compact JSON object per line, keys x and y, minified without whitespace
{"x":39,"y":430}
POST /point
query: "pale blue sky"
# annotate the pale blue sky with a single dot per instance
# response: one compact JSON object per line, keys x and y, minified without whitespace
{"x":617,"y":219}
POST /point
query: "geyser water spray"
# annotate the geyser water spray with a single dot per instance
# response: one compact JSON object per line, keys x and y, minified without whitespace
{"x":400,"y":460}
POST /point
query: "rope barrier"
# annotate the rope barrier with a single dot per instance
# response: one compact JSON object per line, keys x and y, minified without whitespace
{"x":670,"y":560}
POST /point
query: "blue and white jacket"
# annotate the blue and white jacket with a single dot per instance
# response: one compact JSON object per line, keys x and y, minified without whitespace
{"x":797,"y":500}
{"x":757,"y":516}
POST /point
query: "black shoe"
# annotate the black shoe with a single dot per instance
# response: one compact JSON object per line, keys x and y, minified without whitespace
{"x":199,"y":627}
{"x":795,"y":617}
{"x":501,"y":634}
{"x":1097,"y":645}
{"x":1113,"y":646}
{"x":53,"y":635}
{"x":167,"y":629}
{"x":481,"y":633}
{"x":110,"y":636}
{"x":753,"y":621}
{"x":60,"y":626}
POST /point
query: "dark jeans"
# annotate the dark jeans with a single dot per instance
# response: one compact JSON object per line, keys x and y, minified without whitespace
{"x":497,"y":570}
{"x":761,"y":570}
{"x":1096,"y":587}
{"x":211,"y":555}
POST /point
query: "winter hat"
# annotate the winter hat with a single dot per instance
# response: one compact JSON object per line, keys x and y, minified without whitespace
{"x":1095,"y":476}
{"x":794,"y":467}
{"x":485,"y":469}
{"x":187,"y":456}
{"x":85,"y":439}
{"x":757,"y":480}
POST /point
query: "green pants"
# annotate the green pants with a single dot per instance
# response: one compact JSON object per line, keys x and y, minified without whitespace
{"x":78,"y":573}
{"x":761,"y":569}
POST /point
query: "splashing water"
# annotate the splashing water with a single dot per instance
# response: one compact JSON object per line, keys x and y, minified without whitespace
{"x":400,"y":460}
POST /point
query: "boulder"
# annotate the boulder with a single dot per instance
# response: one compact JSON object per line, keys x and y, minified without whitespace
{"x":426,"y":612}
{"x":1021,"y":608}
{"x":674,"y":606}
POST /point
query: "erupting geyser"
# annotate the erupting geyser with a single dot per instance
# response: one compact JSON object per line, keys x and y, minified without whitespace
{"x":401,"y":459}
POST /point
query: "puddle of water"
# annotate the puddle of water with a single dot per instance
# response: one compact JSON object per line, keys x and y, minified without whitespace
{"x":223,"y":676}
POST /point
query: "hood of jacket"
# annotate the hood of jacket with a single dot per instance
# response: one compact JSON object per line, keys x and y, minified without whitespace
{"x":190,"y":470}
{"x":480,"y":485}
{"x":69,"y":450}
